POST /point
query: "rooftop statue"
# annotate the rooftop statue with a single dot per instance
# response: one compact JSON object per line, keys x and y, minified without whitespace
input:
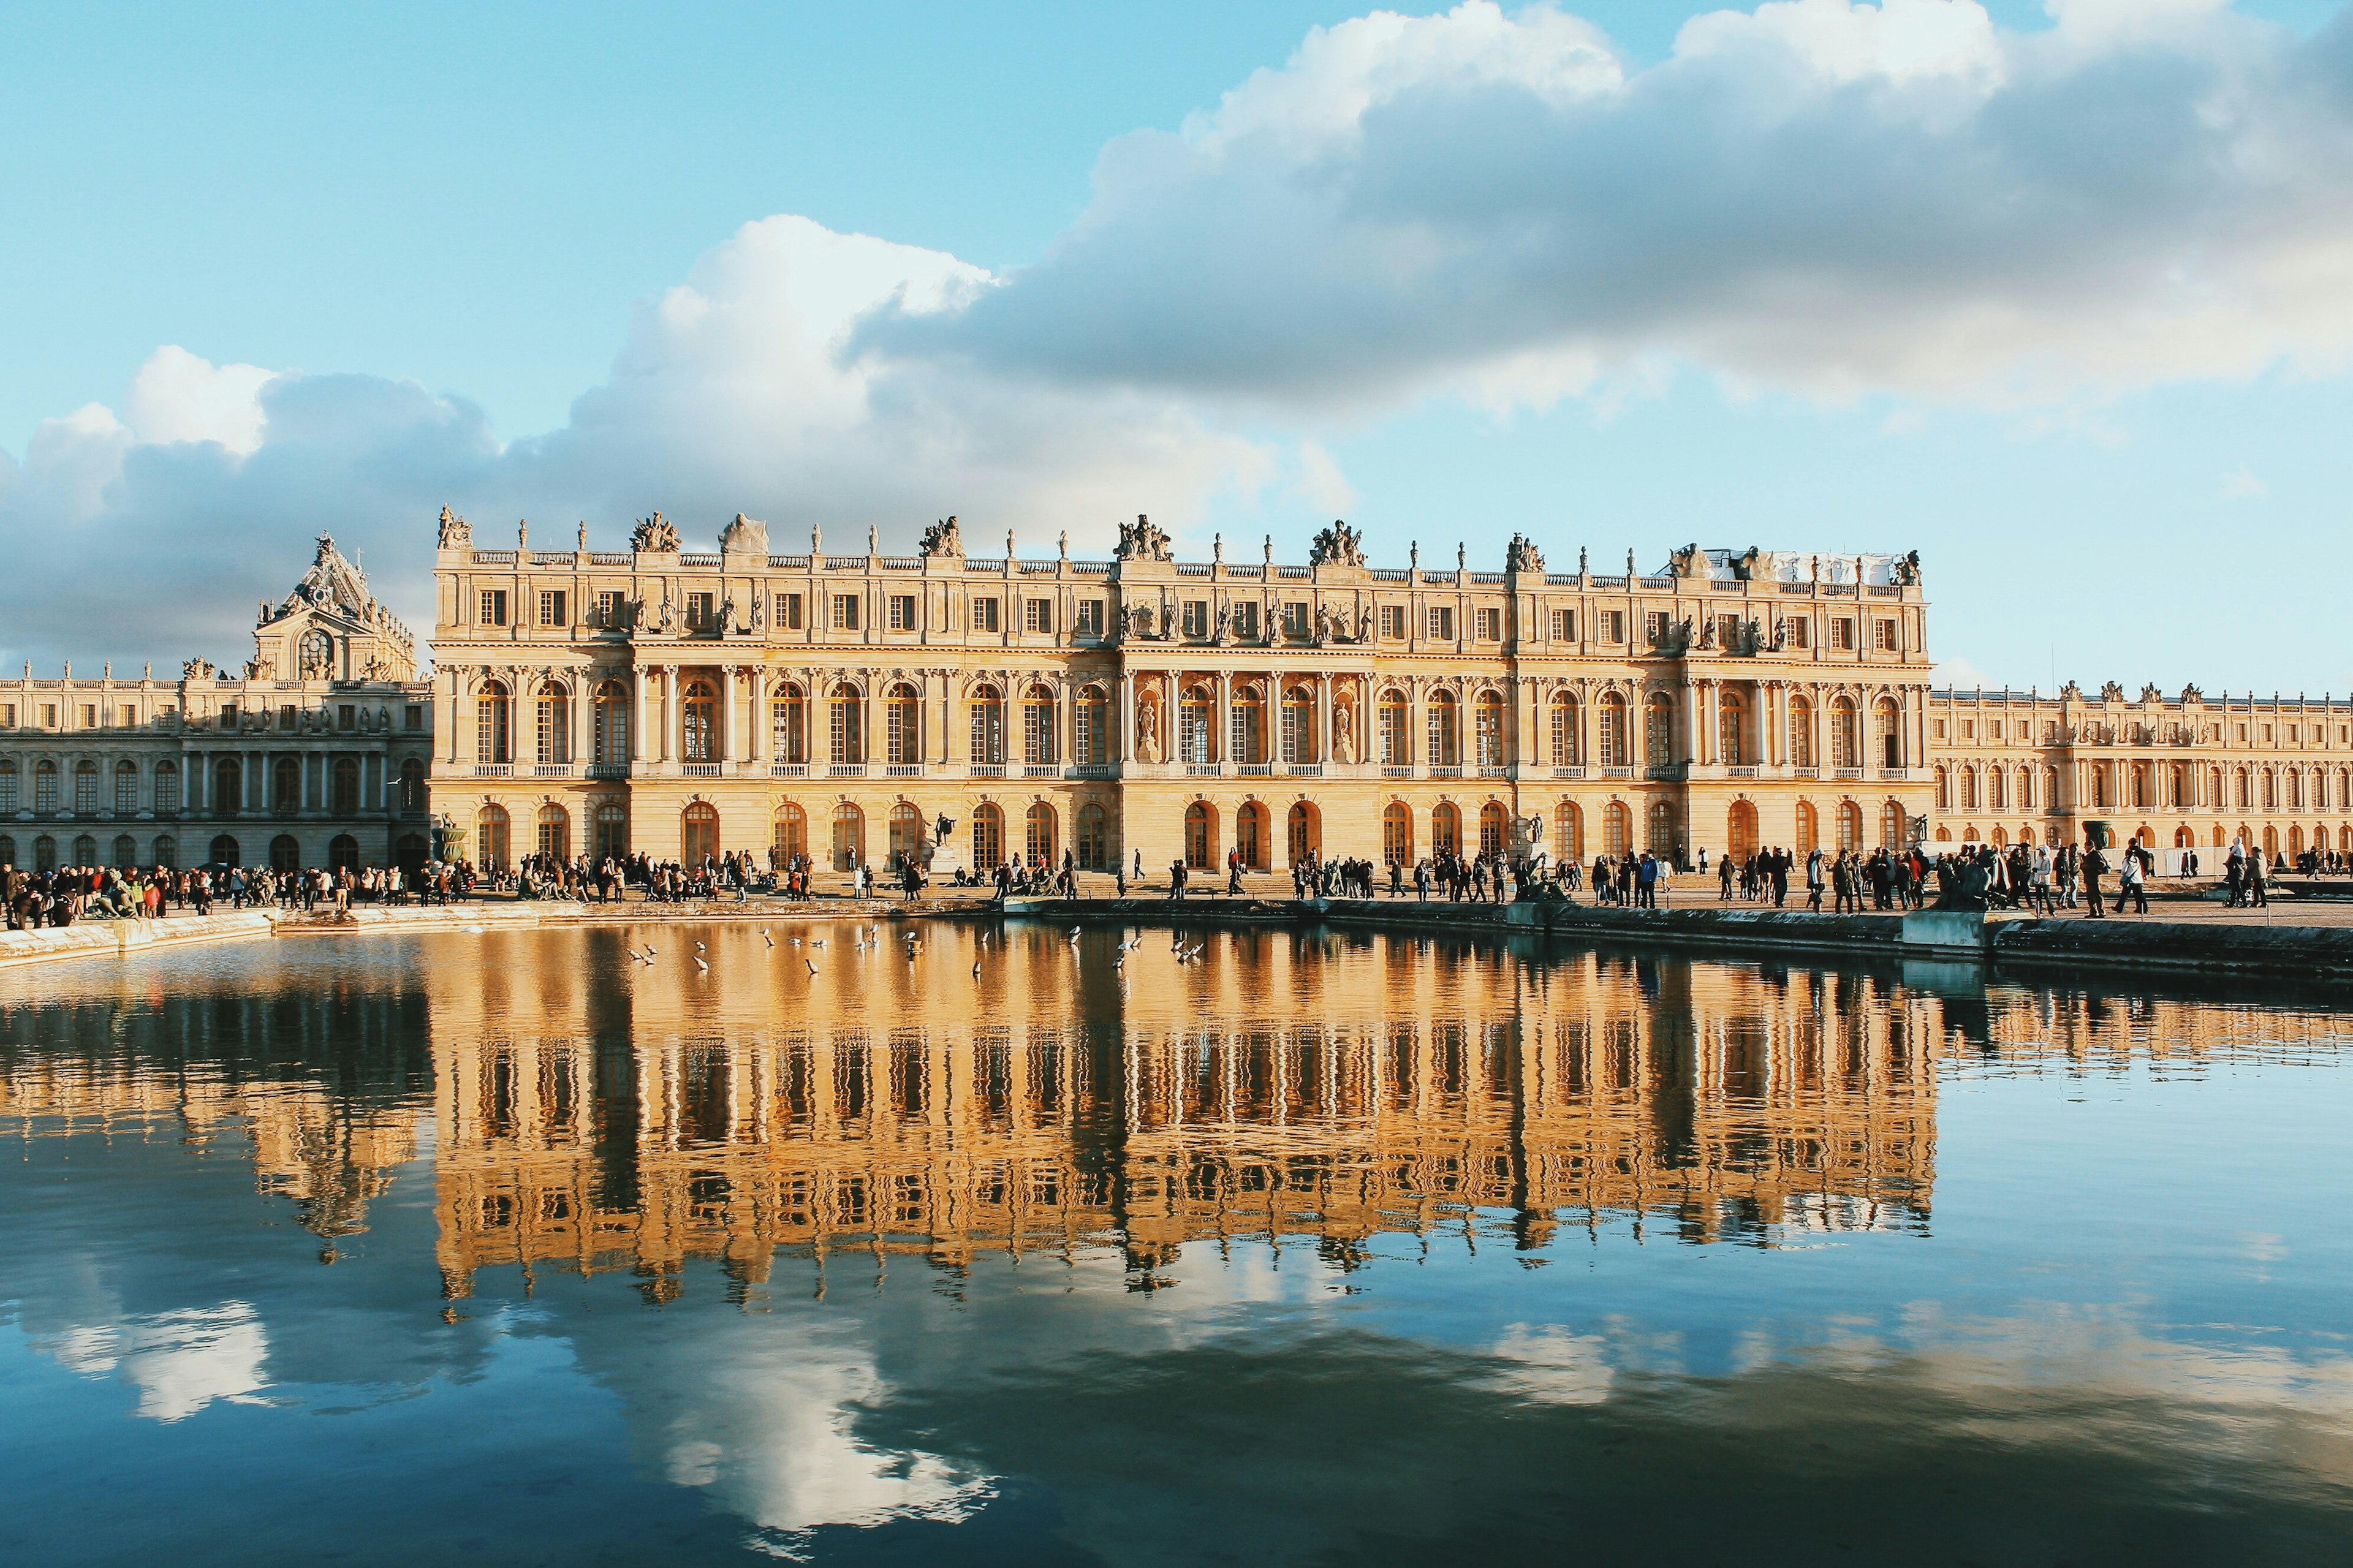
{"x":744,"y":536}
{"x":1907,"y":568}
{"x":943,"y":538}
{"x":654,"y":535}
{"x":456,"y":534}
{"x":1339,"y":545}
{"x":1523,"y":555}
{"x":1142,"y":542}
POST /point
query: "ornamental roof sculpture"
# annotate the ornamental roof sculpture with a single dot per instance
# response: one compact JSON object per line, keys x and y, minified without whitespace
{"x":1339,"y":545}
{"x":332,"y":584}
{"x":744,"y":536}
{"x":942,"y":539}
{"x":1761,"y":565}
{"x":655,"y":535}
{"x":1142,"y":542}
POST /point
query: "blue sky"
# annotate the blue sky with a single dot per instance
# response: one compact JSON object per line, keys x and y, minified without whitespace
{"x":459,"y":225}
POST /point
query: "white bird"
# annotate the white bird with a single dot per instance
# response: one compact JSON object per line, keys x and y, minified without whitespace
{"x":816,"y":942}
{"x":975,"y":969}
{"x":1074,"y":933}
{"x":699,"y":948}
{"x":797,"y":941}
{"x":703,"y":966}
{"x":650,"y":951}
{"x":812,"y":966}
{"x":1132,"y":943}
{"x":766,"y":938}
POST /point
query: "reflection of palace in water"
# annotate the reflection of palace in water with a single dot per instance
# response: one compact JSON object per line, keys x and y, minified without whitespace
{"x":1283,"y":1087}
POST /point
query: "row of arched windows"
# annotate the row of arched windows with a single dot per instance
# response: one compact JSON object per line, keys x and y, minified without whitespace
{"x":161,"y":791}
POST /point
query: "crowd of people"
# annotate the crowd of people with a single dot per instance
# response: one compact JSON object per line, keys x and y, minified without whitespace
{"x":59,"y":897}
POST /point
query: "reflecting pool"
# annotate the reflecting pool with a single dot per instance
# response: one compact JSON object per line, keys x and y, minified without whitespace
{"x":523,"y":1246}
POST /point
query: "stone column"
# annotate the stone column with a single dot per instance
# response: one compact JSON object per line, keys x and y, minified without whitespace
{"x":668,"y":712}
{"x":732,"y":749}
{"x":639,"y":727}
{"x":1221,"y":739}
{"x":757,"y":714}
{"x":1123,"y":744}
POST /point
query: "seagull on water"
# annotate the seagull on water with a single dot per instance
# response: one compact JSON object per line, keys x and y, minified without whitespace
{"x":766,"y":938}
{"x":703,"y":966}
{"x":816,"y":942}
{"x":699,"y":948}
{"x":812,"y":966}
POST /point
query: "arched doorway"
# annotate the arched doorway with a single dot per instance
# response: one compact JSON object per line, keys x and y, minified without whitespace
{"x":554,"y":838}
{"x":1809,"y":827}
{"x":698,"y":720}
{"x":988,"y":836}
{"x":612,"y":831}
{"x":286,"y":788}
{"x":1303,"y":834}
{"x":1494,"y":829}
{"x":1850,"y":827}
{"x":409,"y":851}
{"x":1095,"y":837}
{"x":1617,"y":828}
{"x":285,"y":853}
{"x":1567,"y":832}
{"x":126,"y":850}
{"x":224,"y":850}
{"x":1740,"y":830}
{"x":1039,"y":835}
{"x":697,"y":834}
{"x":84,"y":848}
{"x":343,"y":853}
{"x":905,"y":837}
{"x":1666,"y":842}
{"x":167,"y":852}
{"x":849,"y":836}
{"x":1445,"y":829}
{"x":788,"y":833}
{"x":1200,"y":836}
{"x":490,"y":837}
{"x":45,"y":853}
{"x":1251,"y":834}
{"x":1397,"y":834}
{"x":1891,"y":835}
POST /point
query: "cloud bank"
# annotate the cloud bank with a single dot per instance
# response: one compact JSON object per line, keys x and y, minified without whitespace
{"x":1823,"y":197}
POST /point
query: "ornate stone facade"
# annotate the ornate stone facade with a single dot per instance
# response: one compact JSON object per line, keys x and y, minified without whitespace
{"x":315,"y":755}
{"x":680,"y":703}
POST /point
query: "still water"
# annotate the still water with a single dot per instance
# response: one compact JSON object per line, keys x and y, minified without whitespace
{"x":511,"y":1248}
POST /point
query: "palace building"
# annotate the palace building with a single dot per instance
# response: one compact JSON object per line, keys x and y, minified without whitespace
{"x":315,"y":755}
{"x":684,"y":703}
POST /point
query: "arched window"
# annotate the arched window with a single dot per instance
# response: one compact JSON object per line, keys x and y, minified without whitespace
{"x":167,"y":852}
{"x":1091,"y":739}
{"x":1299,"y":741}
{"x":612,"y":720}
{"x":698,"y":723}
{"x":1666,"y":842}
{"x":228,"y":789}
{"x":1732,"y":730}
{"x":988,"y":836}
{"x":1617,"y":828}
{"x":846,"y":728}
{"x":491,"y":727}
{"x":126,"y":788}
{"x":1303,"y":834}
{"x":902,"y":727}
{"x":555,"y":832}
{"x":1994,"y":778}
{"x":1888,"y":726}
{"x":1095,"y":837}
{"x":490,"y":837}
{"x":1740,"y":830}
{"x":1943,"y":789}
{"x":286,"y":786}
{"x":1038,"y":727}
{"x":988,"y":728}
{"x":1846,"y":749}
{"x":788,"y":833}
{"x":1201,"y":836}
{"x":698,"y":834}
{"x":1658,"y":731}
{"x":1567,"y":832}
{"x":1616,"y":750}
{"x":552,"y":724}
{"x":2271,"y":790}
{"x":612,"y":827}
{"x":904,"y":836}
{"x":167,"y":787}
{"x":1445,"y":829}
{"x":1396,"y":730}
{"x":343,"y":853}
{"x":849,"y":836}
{"x":9,"y":783}
{"x":1809,"y":830}
{"x":2026,"y":788}
{"x":45,"y":853}
{"x":1445,"y":731}
{"x":412,"y":786}
{"x":1493,"y":828}
{"x":1563,"y":737}
{"x":2050,"y":788}
{"x":788,"y":725}
{"x":1487,"y":715}
{"x":85,"y":790}
{"x":1246,"y":720}
{"x":1850,"y":827}
{"x":224,"y":851}
{"x":285,"y":853}
{"x":1251,"y":834}
{"x":1801,"y":732}
{"x":344,"y":786}
{"x":126,"y":850}
{"x":1892,"y":834}
{"x":1193,"y":712}
{"x":1397,"y":835}
{"x":8,"y":851}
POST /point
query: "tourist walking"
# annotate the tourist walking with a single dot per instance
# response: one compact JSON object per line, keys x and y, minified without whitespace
{"x":2091,"y":864}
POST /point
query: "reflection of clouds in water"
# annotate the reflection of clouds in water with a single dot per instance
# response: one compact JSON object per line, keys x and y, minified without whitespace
{"x":1549,"y":1365}
{"x":180,"y":1362}
{"x":774,"y":1441}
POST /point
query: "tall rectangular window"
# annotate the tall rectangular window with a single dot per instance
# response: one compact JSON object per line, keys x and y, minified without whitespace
{"x":128,"y":717}
{"x":1491,"y":626}
{"x":1842,"y":632}
{"x":1393,"y":621}
{"x":1245,"y":620}
{"x":417,"y":715}
{"x":1884,"y":635}
{"x":1294,"y":618}
{"x":903,"y":612}
{"x":608,"y":608}
{"x":984,"y":615}
{"x":1564,"y":626}
{"x":1090,"y":617}
{"x":8,"y":715}
{"x":1197,"y":617}
{"x":789,"y":617}
{"x":1037,"y":617}
{"x":702,"y":612}
{"x":494,"y":607}
{"x":845,"y":612}
{"x":1800,"y":632}
{"x":89,"y":716}
{"x":1442,"y":623}
{"x":126,"y":791}
{"x":49,"y":715}
{"x":1613,"y":626}
{"x":551,"y":608}
{"x":1655,"y":626}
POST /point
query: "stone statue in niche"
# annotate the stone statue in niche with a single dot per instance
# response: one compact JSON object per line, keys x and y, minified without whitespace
{"x":1322,"y":633}
{"x":1225,"y":622}
{"x":1147,"y":732}
{"x":1344,"y":732}
{"x":665,"y":617}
